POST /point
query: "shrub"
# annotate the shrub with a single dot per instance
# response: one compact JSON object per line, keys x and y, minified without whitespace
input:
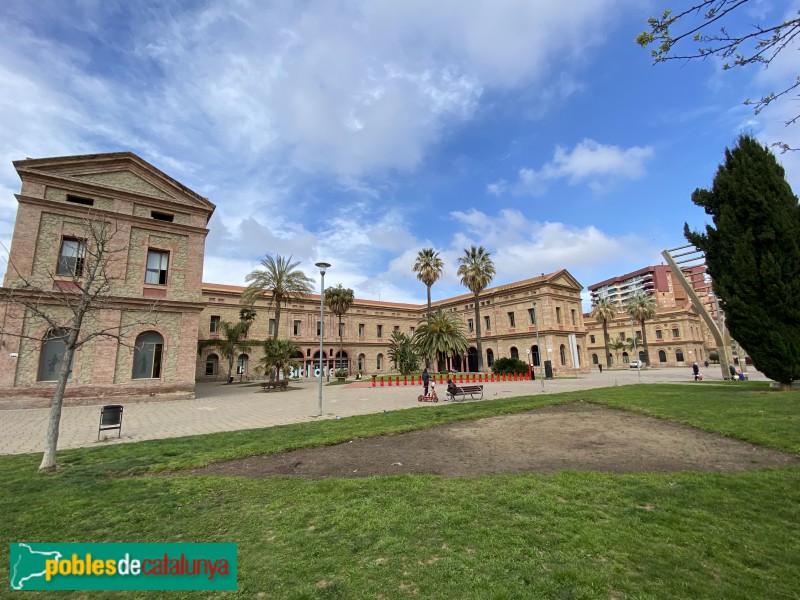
{"x":506,"y":366}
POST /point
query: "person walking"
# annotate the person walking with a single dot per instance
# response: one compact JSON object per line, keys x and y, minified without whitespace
{"x":426,"y":378}
{"x":696,"y":371}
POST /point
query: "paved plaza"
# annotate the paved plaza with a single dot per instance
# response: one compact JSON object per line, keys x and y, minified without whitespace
{"x":219,"y":407}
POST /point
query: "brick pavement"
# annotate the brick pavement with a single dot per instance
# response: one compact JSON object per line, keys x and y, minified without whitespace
{"x":219,"y":407}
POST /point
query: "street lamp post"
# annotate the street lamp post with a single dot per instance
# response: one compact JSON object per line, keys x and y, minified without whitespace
{"x":538,"y":343}
{"x":322,"y":268}
{"x":636,"y":353}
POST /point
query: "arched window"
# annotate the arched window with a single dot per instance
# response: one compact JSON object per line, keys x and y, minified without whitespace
{"x":342,"y":360}
{"x":380,"y":361}
{"x":362,"y":362}
{"x":563,"y":351}
{"x":594,"y":359}
{"x":642,"y":355}
{"x":679,"y":355}
{"x":241,"y":364}
{"x":147,"y":355}
{"x":489,"y":357}
{"x":212,"y":364}
{"x":662,"y":356}
{"x":514,"y":353}
{"x":625,"y":358}
{"x":54,"y":347}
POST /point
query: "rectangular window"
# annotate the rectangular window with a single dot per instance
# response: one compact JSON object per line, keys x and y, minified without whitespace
{"x":341,"y":329}
{"x":380,"y":330}
{"x":319,"y":328}
{"x":271,"y":327}
{"x":361,"y":330}
{"x":659,"y":335}
{"x":470,"y":325}
{"x":638,"y":334}
{"x":70,"y":258}
{"x":213,"y":327}
{"x":296,"y":329}
{"x":159,"y":216}
{"x":511,"y":320}
{"x":532,"y":315}
{"x":412,"y":330}
{"x":211,"y":365}
{"x":488,"y":323}
{"x":622,"y":335}
{"x":558,"y":315}
{"x":572,"y":311}
{"x":676,"y":332}
{"x":591,"y":339}
{"x":80,"y":200}
{"x":157,"y":263}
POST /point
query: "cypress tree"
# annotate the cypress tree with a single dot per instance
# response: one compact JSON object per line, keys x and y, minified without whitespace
{"x":753,"y":256}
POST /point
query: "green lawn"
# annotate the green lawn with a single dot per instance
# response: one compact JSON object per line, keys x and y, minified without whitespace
{"x":568,"y":535}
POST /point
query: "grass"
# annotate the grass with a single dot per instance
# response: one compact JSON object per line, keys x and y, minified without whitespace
{"x":567,"y":535}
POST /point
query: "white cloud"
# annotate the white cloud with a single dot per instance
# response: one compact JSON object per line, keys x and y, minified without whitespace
{"x":598,"y":165}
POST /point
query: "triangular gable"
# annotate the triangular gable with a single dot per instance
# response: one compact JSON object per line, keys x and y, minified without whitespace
{"x":120,"y":170}
{"x":127,"y":181}
{"x":565,"y":278}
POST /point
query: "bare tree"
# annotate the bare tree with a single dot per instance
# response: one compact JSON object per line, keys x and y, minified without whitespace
{"x":709,"y":28}
{"x":69,"y":301}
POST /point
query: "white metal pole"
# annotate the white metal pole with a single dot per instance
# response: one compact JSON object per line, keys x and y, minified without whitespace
{"x":322,"y":267}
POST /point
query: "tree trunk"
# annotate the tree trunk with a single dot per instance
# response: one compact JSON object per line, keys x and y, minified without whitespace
{"x":646,"y":349}
{"x":428,"y":360}
{"x":341,"y":345}
{"x":786,"y":386}
{"x":230,"y":366}
{"x":605,"y":343}
{"x":478,"y":335}
{"x":48,"y":464}
{"x":277,"y":319}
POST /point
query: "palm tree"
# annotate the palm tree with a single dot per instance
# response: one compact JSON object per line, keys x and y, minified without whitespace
{"x":604,"y":311}
{"x":229,"y":342}
{"x":428,"y":268}
{"x":339,"y":301}
{"x":403,"y":353}
{"x":442,"y":332}
{"x":642,"y":306}
{"x":617,"y":345}
{"x":280,"y":279}
{"x":476,"y":272}
{"x":277,"y":356}
{"x":247,"y":315}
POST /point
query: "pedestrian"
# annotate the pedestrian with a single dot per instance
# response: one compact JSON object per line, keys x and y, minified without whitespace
{"x":732,"y":371}
{"x":425,"y":380}
{"x":706,"y":364}
{"x":696,"y":371}
{"x":451,"y":387}
{"x":600,"y":367}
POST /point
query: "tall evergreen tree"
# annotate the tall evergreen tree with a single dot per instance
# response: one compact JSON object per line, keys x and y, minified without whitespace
{"x":753,"y":256}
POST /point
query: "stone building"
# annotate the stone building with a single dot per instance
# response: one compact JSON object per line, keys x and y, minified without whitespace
{"x":507,"y":329}
{"x":677,"y":336}
{"x":155,"y":298}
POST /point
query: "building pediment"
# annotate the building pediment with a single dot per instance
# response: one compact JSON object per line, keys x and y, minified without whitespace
{"x":123,"y":171}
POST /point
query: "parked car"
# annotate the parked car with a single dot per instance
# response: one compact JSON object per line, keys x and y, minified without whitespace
{"x":636,"y":364}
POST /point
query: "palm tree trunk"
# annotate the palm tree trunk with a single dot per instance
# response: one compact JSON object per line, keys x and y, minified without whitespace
{"x":478,"y":335}
{"x":277,"y":319}
{"x":230,"y":365}
{"x":605,"y":342}
{"x":646,"y":349}
{"x":429,"y":304}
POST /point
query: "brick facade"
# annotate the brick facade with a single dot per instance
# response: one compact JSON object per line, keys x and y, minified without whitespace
{"x":559,"y":308}
{"x":148,"y":211}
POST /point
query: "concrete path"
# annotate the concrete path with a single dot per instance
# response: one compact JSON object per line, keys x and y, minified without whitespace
{"x":220,"y":407}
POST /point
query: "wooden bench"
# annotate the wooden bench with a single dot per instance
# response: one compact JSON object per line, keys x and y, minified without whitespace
{"x":463,"y":391}
{"x":274,"y":385}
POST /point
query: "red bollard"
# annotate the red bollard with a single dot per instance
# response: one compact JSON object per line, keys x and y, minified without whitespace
{"x":397,"y":381}
{"x":405,"y":380}
{"x":381,"y":381}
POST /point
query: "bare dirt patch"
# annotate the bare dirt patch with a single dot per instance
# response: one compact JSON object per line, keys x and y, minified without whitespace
{"x":579,"y":437}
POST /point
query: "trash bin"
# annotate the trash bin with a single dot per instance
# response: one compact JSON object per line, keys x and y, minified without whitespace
{"x":548,"y":369}
{"x":230,"y":379}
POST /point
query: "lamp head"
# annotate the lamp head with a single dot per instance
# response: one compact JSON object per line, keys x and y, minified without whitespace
{"x":322,"y":267}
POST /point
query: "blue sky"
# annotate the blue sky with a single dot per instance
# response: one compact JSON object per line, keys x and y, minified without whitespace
{"x":360,"y":132}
